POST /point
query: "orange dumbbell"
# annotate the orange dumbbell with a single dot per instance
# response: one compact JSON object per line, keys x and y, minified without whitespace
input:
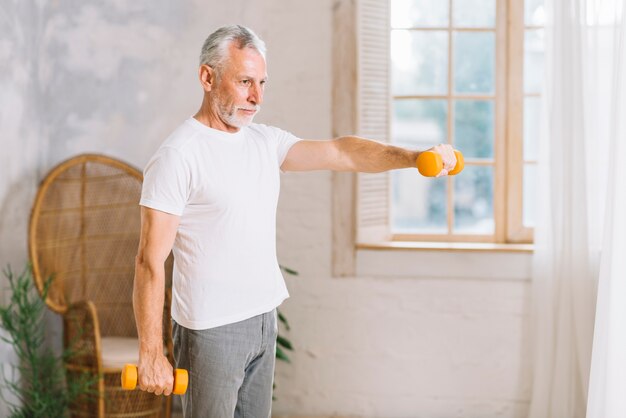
{"x":129,"y":379}
{"x":429,"y":163}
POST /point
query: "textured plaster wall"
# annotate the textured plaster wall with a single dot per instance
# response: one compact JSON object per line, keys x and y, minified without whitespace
{"x":116,"y":77}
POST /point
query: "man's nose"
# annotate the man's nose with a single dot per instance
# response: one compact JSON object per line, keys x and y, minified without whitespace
{"x":256,"y":94}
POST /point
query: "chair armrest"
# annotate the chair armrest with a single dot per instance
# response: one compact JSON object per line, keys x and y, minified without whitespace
{"x":81,"y":337}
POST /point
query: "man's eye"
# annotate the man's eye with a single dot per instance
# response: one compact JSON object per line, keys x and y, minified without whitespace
{"x":246,"y":82}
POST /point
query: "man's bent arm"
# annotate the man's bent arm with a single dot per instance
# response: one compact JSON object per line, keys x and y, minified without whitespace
{"x":158,"y":230}
{"x":352,"y":153}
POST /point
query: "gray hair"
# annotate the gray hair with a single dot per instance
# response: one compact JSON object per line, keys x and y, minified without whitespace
{"x":215,"y":48}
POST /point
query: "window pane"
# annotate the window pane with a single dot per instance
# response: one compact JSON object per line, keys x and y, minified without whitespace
{"x":418,"y":203}
{"x":474,"y":13}
{"x":529,"y":206}
{"x":473,"y":204}
{"x":419,"y":123}
{"x":474,"y":62}
{"x":473,"y":128}
{"x":533,"y":60}
{"x":419,"y":62}
{"x":532,"y":112}
{"x":534,"y":13}
{"x":419,"y":13}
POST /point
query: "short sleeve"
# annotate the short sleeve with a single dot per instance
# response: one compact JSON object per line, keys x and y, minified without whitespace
{"x":285,"y":141}
{"x":166,"y":182}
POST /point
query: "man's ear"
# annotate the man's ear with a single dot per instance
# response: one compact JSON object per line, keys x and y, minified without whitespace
{"x":207,"y":77}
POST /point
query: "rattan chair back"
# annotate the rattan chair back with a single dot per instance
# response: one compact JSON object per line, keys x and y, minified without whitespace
{"x":84,"y":232}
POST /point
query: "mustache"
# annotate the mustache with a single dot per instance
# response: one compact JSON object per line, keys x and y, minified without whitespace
{"x":256,"y":108}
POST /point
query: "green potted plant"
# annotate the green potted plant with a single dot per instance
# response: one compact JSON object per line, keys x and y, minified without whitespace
{"x":42,"y":389}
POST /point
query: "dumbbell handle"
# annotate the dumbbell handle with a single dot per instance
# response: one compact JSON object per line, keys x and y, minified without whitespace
{"x":429,"y":163}
{"x":129,"y":379}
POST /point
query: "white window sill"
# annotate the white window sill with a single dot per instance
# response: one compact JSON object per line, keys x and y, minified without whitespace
{"x":482,"y":261}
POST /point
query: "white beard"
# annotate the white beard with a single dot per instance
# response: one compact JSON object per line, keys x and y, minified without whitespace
{"x":231,"y":117}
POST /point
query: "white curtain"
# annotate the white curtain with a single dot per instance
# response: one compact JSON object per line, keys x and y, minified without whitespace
{"x":607,"y":386}
{"x":580,"y":224}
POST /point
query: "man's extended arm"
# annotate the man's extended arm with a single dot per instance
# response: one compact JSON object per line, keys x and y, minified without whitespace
{"x":351,"y":153}
{"x":158,"y":230}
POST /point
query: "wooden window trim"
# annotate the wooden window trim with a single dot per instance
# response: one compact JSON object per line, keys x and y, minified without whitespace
{"x":516,"y":231}
{"x":344,"y":87}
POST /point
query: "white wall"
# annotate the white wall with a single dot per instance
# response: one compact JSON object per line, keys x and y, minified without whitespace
{"x":116,"y":77}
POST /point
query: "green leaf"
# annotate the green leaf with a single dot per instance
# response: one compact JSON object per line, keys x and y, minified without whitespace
{"x":283,"y":319}
{"x":289,"y":271}
{"x":282,"y":341}
{"x":280,"y":355}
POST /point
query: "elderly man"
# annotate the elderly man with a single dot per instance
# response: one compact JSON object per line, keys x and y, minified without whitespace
{"x":210,"y":194}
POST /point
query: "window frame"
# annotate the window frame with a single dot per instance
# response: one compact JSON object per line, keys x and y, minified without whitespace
{"x":499,"y":98}
{"x":510,"y":234}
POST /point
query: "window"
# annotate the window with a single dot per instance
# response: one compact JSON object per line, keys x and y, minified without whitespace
{"x":464,"y":72}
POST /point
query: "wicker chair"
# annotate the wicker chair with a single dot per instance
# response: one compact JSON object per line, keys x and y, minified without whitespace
{"x":84,"y":232}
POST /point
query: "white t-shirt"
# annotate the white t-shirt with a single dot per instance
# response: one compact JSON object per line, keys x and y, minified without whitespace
{"x":224,"y":186}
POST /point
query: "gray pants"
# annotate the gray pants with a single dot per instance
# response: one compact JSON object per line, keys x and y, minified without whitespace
{"x":231,"y":368}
